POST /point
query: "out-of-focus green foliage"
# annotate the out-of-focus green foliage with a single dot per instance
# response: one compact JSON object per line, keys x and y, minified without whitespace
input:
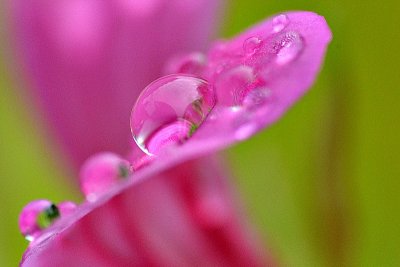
{"x":322,"y":184}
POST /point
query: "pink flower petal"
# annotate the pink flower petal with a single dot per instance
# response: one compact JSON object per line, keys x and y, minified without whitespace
{"x":86,"y":61}
{"x":173,"y":219}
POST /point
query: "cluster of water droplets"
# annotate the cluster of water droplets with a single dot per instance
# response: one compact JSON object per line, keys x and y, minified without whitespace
{"x":170,"y":110}
{"x":98,"y":174}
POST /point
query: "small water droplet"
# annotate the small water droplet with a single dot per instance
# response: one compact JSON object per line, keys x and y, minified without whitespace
{"x":39,"y":215}
{"x":279,"y":23}
{"x":257,"y":98}
{"x":169,"y":111}
{"x":192,"y":63}
{"x":100,"y":172}
{"x":289,"y":47}
{"x":251,"y":45}
{"x":232,"y":85}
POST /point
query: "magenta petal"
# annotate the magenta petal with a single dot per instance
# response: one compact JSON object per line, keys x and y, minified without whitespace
{"x":173,"y":219}
{"x":86,"y":61}
{"x":257,"y":77}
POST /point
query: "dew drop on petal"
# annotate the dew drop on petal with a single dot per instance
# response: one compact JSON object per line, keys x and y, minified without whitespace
{"x":37,"y":216}
{"x":279,"y":23}
{"x":231,"y":85}
{"x":193,"y":63}
{"x":288,"y":47}
{"x":257,"y":98}
{"x":251,"y":45}
{"x":169,"y":111}
{"x":102,"y":171}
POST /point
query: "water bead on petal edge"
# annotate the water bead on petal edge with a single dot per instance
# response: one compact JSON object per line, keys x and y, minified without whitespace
{"x":102,"y":171}
{"x":251,"y":45}
{"x":169,"y":111}
{"x":40,"y":214}
{"x":279,"y":23}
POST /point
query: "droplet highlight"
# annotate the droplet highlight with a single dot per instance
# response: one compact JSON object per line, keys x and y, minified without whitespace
{"x":279,"y":23}
{"x":169,"y":111}
{"x":102,"y":171}
{"x":288,"y":47}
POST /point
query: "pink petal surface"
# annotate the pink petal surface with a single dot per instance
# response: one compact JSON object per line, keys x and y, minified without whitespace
{"x":184,"y":216}
{"x":86,"y":61}
{"x":172,"y":204}
{"x":284,"y":83}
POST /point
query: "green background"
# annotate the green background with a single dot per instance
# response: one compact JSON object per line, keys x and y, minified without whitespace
{"x":322,"y":185}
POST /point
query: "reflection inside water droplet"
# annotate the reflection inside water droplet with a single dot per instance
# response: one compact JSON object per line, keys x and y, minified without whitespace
{"x":169,"y":111}
{"x":47,"y":216}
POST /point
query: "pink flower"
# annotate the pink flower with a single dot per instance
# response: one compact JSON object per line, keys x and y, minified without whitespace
{"x":176,"y":209}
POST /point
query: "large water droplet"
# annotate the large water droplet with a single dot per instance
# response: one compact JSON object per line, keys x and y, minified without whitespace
{"x":251,"y":45}
{"x":279,"y":23}
{"x":288,"y":47}
{"x":39,"y":215}
{"x":233,"y":84}
{"x":100,"y":172}
{"x":169,"y":111}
